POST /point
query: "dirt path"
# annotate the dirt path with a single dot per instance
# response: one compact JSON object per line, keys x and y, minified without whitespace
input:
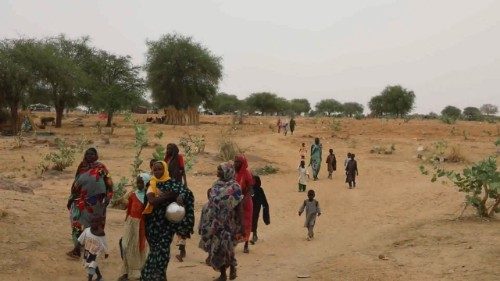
{"x":394,"y":213}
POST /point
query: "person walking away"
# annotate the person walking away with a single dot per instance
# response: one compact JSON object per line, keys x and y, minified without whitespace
{"x":259,"y":200}
{"x":91,"y":193}
{"x":286,"y":127}
{"x":292,"y":125}
{"x":222,"y":227}
{"x":331,"y":161}
{"x":245,"y":180}
{"x":347,"y":159}
{"x":351,"y":171}
{"x":133,"y":246}
{"x":303,"y":151}
{"x":315,"y":162}
{"x":93,"y":240}
{"x":311,"y":206}
{"x":279,"y":124}
{"x":303,"y":176}
{"x":159,"y":231}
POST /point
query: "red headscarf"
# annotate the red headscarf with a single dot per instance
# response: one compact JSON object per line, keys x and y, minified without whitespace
{"x":243,"y":176}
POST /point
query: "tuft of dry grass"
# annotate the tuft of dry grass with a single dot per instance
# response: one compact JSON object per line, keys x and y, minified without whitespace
{"x":455,"y":155}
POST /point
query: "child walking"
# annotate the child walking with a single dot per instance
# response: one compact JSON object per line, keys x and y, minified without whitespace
{"x":303,"y":176}
{"x":133,"y":243}
{"x":311,"y":206}
{"x":259,"y":201}
{"x":93,"y":240}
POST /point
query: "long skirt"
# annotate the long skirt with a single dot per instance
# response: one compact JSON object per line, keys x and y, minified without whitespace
{"x":133,"y":257}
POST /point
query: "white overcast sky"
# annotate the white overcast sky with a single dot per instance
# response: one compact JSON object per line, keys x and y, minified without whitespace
{"x":446,"y":51}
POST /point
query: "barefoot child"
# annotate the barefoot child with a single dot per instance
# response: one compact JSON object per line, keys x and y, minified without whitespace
{"x":133,"y":243}
{"x":303,"y":176}
{"x":311,"y":206}
{"x":94,"y":242}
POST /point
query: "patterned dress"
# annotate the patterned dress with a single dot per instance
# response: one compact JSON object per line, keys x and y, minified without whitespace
{"x":316,"y":159}
{"x":220,"y":226}
{"x":160,"y":232}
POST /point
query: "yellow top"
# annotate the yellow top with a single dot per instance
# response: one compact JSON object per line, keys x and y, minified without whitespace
{"x":154,"y":189}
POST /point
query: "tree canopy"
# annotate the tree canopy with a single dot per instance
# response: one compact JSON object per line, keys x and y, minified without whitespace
{"x":299,"y":106}
{"x":116,"y":84}
{"x":328,"y":106}
{"x":352,"y":108}
{"x":180,"y":72}
{"x":394,"y":100}
{"x":224,"y":103}
{"x":489,"y":109}
{"x":472,"y":114}
{"x":451,"y":112}
{"x":264,"y":102}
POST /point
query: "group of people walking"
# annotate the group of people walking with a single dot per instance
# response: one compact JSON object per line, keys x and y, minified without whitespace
{"x":229,"y":217}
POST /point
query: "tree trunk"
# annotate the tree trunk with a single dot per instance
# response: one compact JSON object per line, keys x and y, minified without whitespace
{"x":494,"y":207}
{"x":59,"y":115}
{"x":14,"y":115}
{"x":110,"y":118}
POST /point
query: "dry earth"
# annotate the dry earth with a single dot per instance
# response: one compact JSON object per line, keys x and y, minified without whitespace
{"x":395,"y":212}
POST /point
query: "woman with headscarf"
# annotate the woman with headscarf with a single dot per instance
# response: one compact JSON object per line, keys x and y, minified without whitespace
{"x":245,"y":180}
{"x":159,"y":231}
{"x":177,"y":172}
{"x":133,"y":247}
{"x":221,"y":225}
{"x":91,"y":193}
{"x":315,"y":162}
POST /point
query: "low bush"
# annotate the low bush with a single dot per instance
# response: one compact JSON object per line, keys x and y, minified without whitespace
{"x":63,"y":157}
{"x":266,"y":170}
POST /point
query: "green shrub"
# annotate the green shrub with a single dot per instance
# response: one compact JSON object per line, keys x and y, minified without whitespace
{"x":119,"y":191}
{"x":63,"y":157}
{"x":266,"y":170}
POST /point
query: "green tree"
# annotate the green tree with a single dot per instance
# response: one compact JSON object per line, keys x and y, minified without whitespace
{"x":264,"y":102}
{"x":299,"y":106}
{"x":16,"y":76}
{"x":489,"y":109}
{"x":329,"y":106}
{"x":394,"y":100}
{"x":472,"y":113}
{"x":352,"y":108}
{"x":59,"y":64}
{"x":224,"y":103}
{"x":451,"y":112}
{"x":181,"y":72}
{"x":283,"y":106}
{"x":116,"y":84}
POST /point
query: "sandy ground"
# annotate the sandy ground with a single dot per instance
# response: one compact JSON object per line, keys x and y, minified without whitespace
{"x":394,"y":211}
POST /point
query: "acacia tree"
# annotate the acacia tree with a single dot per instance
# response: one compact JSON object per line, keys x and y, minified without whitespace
{"x":16,"y":77}
{"x":59,"y":64}
{"x":299,"y":106}
{"x":472,"y":113}
{"x":394,"y":100}
{"x":223,"y":103}
{"x":329,"y":106}
{"x":264,"y":102}
{"x":180,"y":72}
{"x":116,"y":84}
{"x":352,"y":108}
{"x":489,"y":109}
{"x":451,"y":112}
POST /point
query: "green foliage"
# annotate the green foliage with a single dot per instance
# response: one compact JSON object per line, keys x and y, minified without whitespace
{"x":299,"y":106}
{"x":141,"y":141}
{"x":448,"y":120}
{"x":159,"y":135}
{"x":115,"y":83}
{"x":159,"y":153}
{"x":228,"y":149}
{"x":329,"y":106}
{"x":264,"y":102}
{"x":63,"y":157}
{"x":180,"y":72}
{"x":336,"y":126}
{"x":394,"y":100}
{"x":352,"y":109}
{"x":497,"y":143}
{"x":266,"y":170}
{"x":224,"y":103}
{"x":119,"y":191}
{"x":450,"y":112}
{"x":480,"y":183}
{"x":472,"y":114}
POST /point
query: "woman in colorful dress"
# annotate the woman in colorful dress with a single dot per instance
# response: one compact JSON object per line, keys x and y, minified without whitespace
{"x":221,"y":224}
{"x":133,"y":246}
{"x":315,"y":162}
{"x":91,"y":193}
{"x":245,"y":180}
{"x":159,"y":231}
